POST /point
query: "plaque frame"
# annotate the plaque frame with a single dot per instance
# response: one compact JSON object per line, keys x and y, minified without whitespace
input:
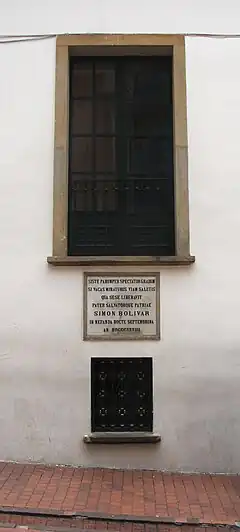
{"x":125,"y":337}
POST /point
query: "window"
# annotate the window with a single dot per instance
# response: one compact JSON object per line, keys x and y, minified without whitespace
{"x":121,"y":198}
{"x":120,"y":177}
{"x":122,"y":398}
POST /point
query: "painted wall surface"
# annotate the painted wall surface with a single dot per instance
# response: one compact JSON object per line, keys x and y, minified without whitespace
{"x":44,"y":364}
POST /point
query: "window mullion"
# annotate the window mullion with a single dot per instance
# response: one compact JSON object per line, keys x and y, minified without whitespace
{"x":121,"y":149}
{"x":93,"y":184}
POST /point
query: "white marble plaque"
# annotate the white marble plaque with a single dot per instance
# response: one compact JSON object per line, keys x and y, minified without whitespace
{"x":121,"y":306}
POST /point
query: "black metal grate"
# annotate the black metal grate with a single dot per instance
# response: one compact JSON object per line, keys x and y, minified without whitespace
{"x":121,"y":196}
{"x":121,"y":390}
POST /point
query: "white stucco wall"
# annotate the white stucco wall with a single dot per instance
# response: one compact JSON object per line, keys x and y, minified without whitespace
{"x":44,"y":364}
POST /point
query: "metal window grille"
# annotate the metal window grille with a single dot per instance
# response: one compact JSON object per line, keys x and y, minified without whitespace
{"x":121,"y":196}
{"x":121,"y":394}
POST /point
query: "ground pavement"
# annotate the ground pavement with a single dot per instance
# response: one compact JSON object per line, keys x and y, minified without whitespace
{"x":39,"y":497}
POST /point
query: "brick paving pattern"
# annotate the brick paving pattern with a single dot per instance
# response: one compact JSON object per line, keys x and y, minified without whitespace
{"x":49,"y":526}
{"x":211,"y":499}
{"x":161,"y":528}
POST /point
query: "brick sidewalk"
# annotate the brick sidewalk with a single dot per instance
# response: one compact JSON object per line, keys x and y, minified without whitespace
{"x":141,"y":495}
{"x":5,"y":528}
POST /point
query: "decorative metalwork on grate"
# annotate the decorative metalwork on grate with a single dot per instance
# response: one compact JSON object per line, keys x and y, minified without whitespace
{"x":121,"y":390}
{"x":121,"y":198}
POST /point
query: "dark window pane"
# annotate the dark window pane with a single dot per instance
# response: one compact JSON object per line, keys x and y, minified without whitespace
{"x":81,"y":154}
{"x":105,"y":154}
{"x":81,"y":195}
{"x":149,"y":156}
{"x":82,"y":78}
{"x":149,"y":193}
{"x":98,"y":194}
{"x":105,"y":117}
{"x":147,"y":81}
{"x":149,"y":118}
{"x":106,"y":194}
{"x":81,"y":117}
{"x":105,"y":78}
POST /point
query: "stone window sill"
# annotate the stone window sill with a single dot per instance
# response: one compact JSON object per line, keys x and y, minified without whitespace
{"x":122,"y":437}
{"x":113,"y":261}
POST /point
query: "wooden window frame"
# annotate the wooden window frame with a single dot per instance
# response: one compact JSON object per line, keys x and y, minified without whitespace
{"x":120,"y":45}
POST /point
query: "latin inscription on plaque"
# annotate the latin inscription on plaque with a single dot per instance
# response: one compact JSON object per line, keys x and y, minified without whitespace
{"x":121,"y":306}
